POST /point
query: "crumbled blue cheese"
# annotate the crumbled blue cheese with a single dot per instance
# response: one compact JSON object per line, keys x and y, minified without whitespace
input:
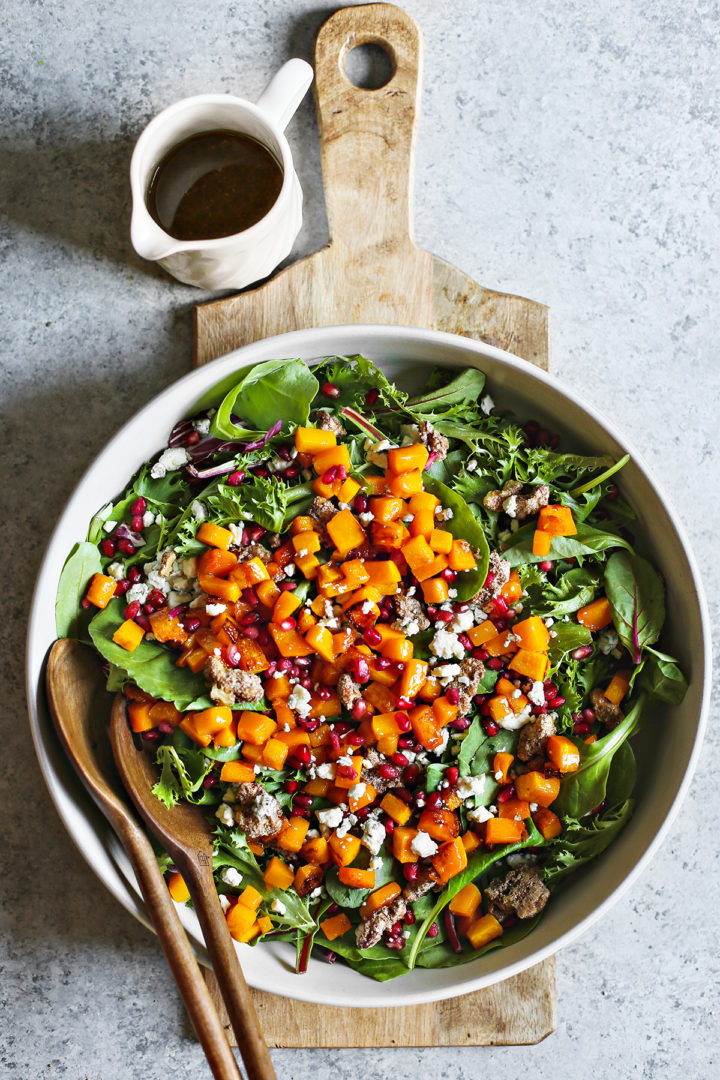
{"x":423,"y":845}
{"x":357,"y":790}
{"x":373,"y":836}
{"x":487,"y":404}
{"x":189,"y":567}
{"x":330,"y":819}
{"x":197,"y":509}
{"x":116,"y":570}
{"x":445,"y":644}
{"x":468,"y":786}
{"x":215,"y":609}
{"x":446,"y":672}
{"x":169,"y":461}
{"x":148,"y":519}
{"x":325,"y":771}
{"x":463,"y":620}
{"x":483,"y":813}
{"x":224,"y":902}
{"x":516,"y":720}
{"x":278,"y":907}
{"x":137,"y":592}
{"x":536,"y":693}
{"x":510,"y":506}
{"x":224,"y":814}
{"x":299,"y":701}
{"x":344,"y":828}
{"x":202,"y":426}
{"x":231,"y":876}
{"x":375,"y":452}
{"x":607,"y":641}
{"x":109,"y":525}
{"x":471,"y":465}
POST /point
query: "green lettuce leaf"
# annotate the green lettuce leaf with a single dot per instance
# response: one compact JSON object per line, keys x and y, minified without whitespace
{"x":265,"y":393}
{"x":82,"y":564}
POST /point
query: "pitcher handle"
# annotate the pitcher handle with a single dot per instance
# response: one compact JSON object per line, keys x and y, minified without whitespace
{"x":285,"y":91}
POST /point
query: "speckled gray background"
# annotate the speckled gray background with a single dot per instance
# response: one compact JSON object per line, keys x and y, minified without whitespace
{"x":568,"y":151}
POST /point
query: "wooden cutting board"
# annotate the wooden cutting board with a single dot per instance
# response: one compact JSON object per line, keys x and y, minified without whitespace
{"x":372,"y":272}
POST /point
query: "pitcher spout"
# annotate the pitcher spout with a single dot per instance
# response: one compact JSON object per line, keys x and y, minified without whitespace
{"x":148,"y":239}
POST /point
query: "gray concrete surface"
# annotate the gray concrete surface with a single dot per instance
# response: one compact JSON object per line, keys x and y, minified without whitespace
{"x":568,"y":151}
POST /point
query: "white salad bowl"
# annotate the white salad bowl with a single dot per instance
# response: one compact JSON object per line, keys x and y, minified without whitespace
{"x":667,"y":748}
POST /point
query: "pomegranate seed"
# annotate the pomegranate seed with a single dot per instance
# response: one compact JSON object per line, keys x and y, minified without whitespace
{"x":556,"y":703}
{"x":165,"y":728}
{"x":143,"y":622}
{"x":402,"y":720}
{"x":396,"y":928}
{"x":546,"y":565}
{"x":395,"y":943}
{"x":134,"y":575}
{"x":231,"y":655}
{"x":360,"y":504}
{"x":550,"y":689}
{"x":404,"y":703}
{"x":582,"y":653}
{"x":334,"y":741}
{"x":452,"y":774}
{"x":465,"y":641}
{"x":85,"y":604}
{"x":126,"y":547}
{"x":302,"y":754}
{"x":290,"y":786}
{"x":500,"y":606}
{"x":148,"y":609}
{"x":434,"y":800}
{"x":589,"y":715}
{"x":420,"y":799}
{"x":359,"y":710}
{"x":404,"y":794}
{"x":292,"y":472}
{"x":506,"y":792}
{"x":122,"y":587}
{"x":132,"y":610}
{"x":355,"y":739}
{"x":407,"y":742}
{"x":331,"y":475}
{"x":192,"y":438}
{"x":156,"y":598}
{"x":285,"y":452}
{"x":372,"y":396}
{"x":489,"y":579}
{"x":191,"y":623}
{"x":461,"y":724}
{"x":288,"y":624}
{"x":255,"y":533}
{"x":372,"y":637}
{"x":410,"y":871}
{"x":444,"y":616}
{"x":261,"y":471}
{"x":333,"y":909}
{"x":108,"y":547}
{"x":399,"y":759}
{"x":152,"y":736}
{"x":209,"y":781}
{"x":138,"y":507}
{"x":495,"y":664}
{"x":324,"y":693}
{"x":411,"y":774}
{"x":433,"y":930}
{"x":581,"y":727}
{"x":382,"y":663}
{"x":480,"y":654}
{"x":330,"y":390}
{"x":263,"y":637}
{"x":538,"y":710}
{"x":301,"y":799}
{"x":387,"y":771}
{"x":287,"y":586}
{"x":236,"y":478}
{"x":136,"y":523}
{"x":409,"y":916}
{"x":449,"y":575}
{"x":250,"y":597}
{"x":362,"y":671}
{"x":453,"y":695}
{"x":305,"y":681}
{"x":490,"y":727}
{"x":431,"y":612}
{"x":363,"y":813}
{"x":389,"y":826}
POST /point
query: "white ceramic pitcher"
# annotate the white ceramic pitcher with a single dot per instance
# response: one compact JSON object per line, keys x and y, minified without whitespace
{"x":229,"y":262}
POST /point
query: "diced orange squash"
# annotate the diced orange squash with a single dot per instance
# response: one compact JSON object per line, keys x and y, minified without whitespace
{"x":251,"y":753}
{"x":483,"y":632}
{"x":347,"y":781}
{"x":284,"y":555}
{"x":435,"y":590}
{"x":423,"y":524}
{"x":355,"y":573}
{"x":402,"y":839}
{"x":461,"y":556}
{"x":306,"y":543}
{"x":327,"y":490}
{"x":278,"y":689}
{"x":274,"y":753}
{"x":512,"y":589}
{"x":316,"y":851}
{"x":425,"y":727}
{"x":187,"y":725}
{"x":406,"y":484}
{"x":618,"y":687}
{"x":412,"y":678}
{"x":214,"y":535}
{"x":534,"y":665}
{"x":101,"y":590}
{"x":450,"y":859}
{"x":226,"y":736}
{"x":268,"y":592}
{"x":556,"y":520}
{"x":384,"y":576}
{"x":503,"y":831}
{"x":398,"y":649}
{"x":430,"y":690}
{"x":536,"y":788}
{"x":388,"y":537}
{"x":386,"y":508}
{"x":284,"y":717}
{"x":237,"y":772}
{"x":129,"y":635}
{"x":356,"y":879}
{"x":219,"y":587}
{"x":334,"y":455}
{"x":381,"y":697}
{"x":140,"y":718}
{"x":242,"y":924}
{"x":367,"y":592}
{"x":375,"y":484}
{"x":471,"y":840}
{"x":467,"y":901}
{"x":348,"y":490}
{"x":597,"y":615}
{"x":514,"y":809}
{"x":292,"y":835}
{"x":167,"y":627}
{"x":177,"y":887}
{"x":307,"y":878}
{"x":305,"y":620}
{"x":255,"y":727}
{"x":345,"y":531}
{"x":312,"y":440}
{"x":444,"y":711}
{"x":289,"y":642}
{"x":307,"y":565}
{"x":563,"y":753}
{"x":424,"y":500}
{"x":499,"y":708}
{"x":418,"y":553}
{"x":336,"y":926}
{"x":380,"y":898}
{"x":406,"y":458}
{"x":264,"y":924}
{"x":483,"y":930}
{"x":344,"y":849}
{"x":547,"y":823}
{"x":541,"y":543}
{"x":395,"y":808}
{"x":501,"y":644}
{"x":533,"y":634}
{"x":278,"y":875}
{"x":302,"y":523}
{"x":441,"y":541}
{"x":501,"y":764}
{"x":321,"y":640}
{"x":217,"y":562}
{"x":250,"y":897}
{"x":440,"y":824}
{"x":357,"y":803}
{"x":210,"y":721}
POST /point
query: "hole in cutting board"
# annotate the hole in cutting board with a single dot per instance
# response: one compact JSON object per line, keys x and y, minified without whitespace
{"x":368,"y":66}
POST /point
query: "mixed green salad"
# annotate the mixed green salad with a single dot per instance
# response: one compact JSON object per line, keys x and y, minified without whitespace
{"x":397,"y":646}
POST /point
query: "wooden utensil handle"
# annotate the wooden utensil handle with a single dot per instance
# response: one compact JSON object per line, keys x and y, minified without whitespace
{"x":367,"y":137}
{"x":177,"y":949}
{"x":228,"y":972}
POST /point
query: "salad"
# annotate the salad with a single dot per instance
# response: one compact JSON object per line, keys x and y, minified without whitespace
{"x":395,"y":645}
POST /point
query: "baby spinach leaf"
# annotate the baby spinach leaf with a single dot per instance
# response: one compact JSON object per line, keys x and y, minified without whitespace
{"x":434,"y":774}
{"x":463,"y":389}
{"x":662,"y":677}
{"x":637,"y":599}
{"x":70,"y":620}
{"x":583,"y":790}
{"x":588,"y":542}
{"x":491,"y":745}
{"x":347,"y":897}
{"x":582,"y":841}
{"x":463,"y":526}
{"x":470,"y":745}
{"x":150,"y":665}
{"x":265,"y":393}
{"x":441,"y":955}
{"x":621,"y":778}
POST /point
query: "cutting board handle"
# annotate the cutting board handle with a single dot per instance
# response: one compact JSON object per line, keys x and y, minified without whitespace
{"x":367,"y":137}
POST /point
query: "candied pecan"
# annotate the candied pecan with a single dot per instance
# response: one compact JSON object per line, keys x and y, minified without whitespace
{"x":534,"y":736}
{"x":228,"y":686}
{"x":522,"y":892}
{"x":371,"y":930}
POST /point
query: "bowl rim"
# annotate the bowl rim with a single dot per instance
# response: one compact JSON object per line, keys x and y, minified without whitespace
{"x":320,"y":343}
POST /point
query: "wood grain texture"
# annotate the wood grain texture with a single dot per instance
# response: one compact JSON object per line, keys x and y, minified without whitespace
{"x":373,"y":272}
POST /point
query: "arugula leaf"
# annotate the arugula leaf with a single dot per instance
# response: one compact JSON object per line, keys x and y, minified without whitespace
{"x":637,"y":599}
{"x":182,"y":774}
{"x":583,"y":790}
{"x":267,"y":392}
{"x":452,"y":399}
{"x":82,"y":563}
{"x":463,"y":526}
{"x":582,"y":841}
{"x":662,"y":678}
{"x":588,"y":542}
{"x":150,"y":665}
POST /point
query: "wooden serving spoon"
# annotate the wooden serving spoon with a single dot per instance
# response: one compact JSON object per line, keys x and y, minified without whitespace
{"x":79,"y":707}
{"x":186,"y":834}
